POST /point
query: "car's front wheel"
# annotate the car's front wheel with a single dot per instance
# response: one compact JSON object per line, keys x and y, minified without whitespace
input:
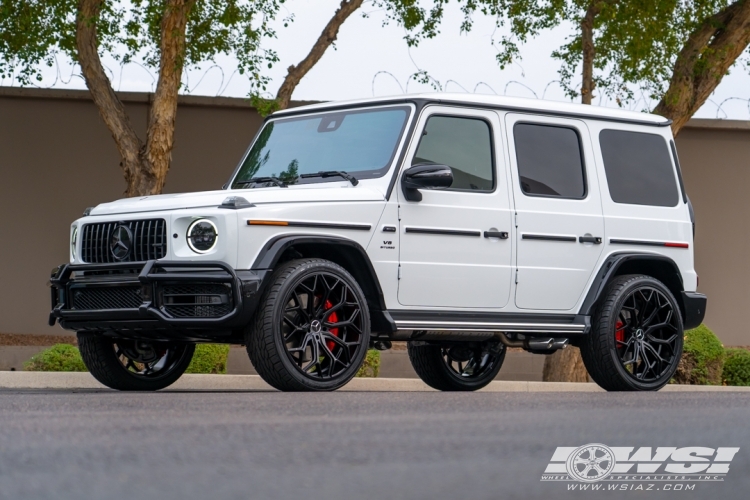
{"x":457,"y":367}
{"x":134,"y":365}
{"x":636,"y":337}
{"x":312,"y":328}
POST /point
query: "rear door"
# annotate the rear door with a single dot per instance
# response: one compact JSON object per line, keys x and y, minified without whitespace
{"x":559,"y":211}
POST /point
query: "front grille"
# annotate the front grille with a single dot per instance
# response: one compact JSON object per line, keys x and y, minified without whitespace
{"x":120,"y":297}
{"x":149,"y":241}
{"x":208,"y":300}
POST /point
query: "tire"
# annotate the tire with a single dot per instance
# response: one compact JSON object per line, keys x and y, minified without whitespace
{"x":442,"y":367}
{"x":291,"y":341}
{"x":636,"y":337}
{"x":129,"y":365}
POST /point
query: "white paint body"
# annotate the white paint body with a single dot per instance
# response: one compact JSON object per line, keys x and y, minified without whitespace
{"x":439,"y":272}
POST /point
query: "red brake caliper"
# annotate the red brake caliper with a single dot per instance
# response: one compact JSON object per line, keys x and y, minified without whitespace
{"x":333,"y":318}
{"x":620,"y":332}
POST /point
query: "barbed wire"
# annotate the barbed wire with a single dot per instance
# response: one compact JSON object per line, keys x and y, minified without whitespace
{"x":643,"y":102}
{"x":63,"y":78}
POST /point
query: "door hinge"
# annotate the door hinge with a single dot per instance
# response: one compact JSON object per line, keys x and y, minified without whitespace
{"x":516,"y":219}
{"x":516,"y":276}
{"x":399,"y":212}
{"x":399,"y":271}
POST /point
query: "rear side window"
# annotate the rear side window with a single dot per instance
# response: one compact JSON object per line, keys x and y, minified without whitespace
{"x":465,"y":145}
{"x":549,"y":161}
{"x":639,"y":168}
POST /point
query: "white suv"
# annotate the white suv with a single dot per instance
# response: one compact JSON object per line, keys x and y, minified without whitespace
{"x":462,"y":224}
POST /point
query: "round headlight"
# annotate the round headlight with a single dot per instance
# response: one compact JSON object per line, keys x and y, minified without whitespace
{"x":202,"y":235}
{"x":73,"y":242}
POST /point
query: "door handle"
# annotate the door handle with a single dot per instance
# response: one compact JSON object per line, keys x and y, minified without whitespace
{"x":496,"y":234}
{"x":596,"y":240}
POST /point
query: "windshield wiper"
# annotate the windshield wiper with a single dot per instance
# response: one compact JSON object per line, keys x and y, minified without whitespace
{"x":261,"y":180}
{"x":333,"y":173}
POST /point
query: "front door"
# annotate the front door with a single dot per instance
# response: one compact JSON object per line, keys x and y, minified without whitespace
{"x":452,"y":252}
{"x":559,"y":211}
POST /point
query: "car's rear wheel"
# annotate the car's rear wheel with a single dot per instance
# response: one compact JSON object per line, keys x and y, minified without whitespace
{"x":134,"y":365}
{"x":636,"y":338}
{"x":312,"y":328}
{"x":457,"y":367}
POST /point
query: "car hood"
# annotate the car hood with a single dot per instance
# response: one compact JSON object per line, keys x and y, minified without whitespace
{"x":317,"y":193}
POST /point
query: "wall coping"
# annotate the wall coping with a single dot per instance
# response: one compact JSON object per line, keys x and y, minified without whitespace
{"x":240,"y":102}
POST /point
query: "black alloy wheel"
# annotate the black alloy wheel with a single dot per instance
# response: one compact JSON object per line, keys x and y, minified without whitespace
{"x":134,"y":365}
{"x":637,"y":336}
{"x":457,"y":367}
{"x":312,"y":329}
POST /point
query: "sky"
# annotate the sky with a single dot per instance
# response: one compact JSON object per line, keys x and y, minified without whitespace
{"x":370,"y":59}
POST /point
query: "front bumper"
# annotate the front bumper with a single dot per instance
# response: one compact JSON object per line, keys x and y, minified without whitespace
{"x":694,"y":305}
{"x":155,"y":298}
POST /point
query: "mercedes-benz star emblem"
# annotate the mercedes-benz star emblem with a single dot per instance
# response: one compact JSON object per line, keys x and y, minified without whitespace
{"x":121,"y":242}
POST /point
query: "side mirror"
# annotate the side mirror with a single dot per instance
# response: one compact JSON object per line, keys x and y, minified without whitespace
{"x":425,"y":176}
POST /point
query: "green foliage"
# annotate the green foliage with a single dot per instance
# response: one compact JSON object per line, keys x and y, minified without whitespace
{"x":35,"y":32}
{"x":702,"y":358}
{"x":371,"y":367}
{"x":736,"y":367}
{"x":209,"y":358}
{"x":636,"y":41}
{"x":58,"y":358}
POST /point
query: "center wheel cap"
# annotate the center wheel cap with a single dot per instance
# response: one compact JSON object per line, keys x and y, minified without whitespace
{"x":639,"y":334}
{"x":316,"y":326}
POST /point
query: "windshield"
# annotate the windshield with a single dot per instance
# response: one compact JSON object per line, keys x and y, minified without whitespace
{"x":360,"y":142}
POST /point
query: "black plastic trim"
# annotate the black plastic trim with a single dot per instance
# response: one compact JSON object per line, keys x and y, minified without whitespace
{"x":389,"y":229}
{"x":695,"y":309}
{"x":272,"y":251}
{"x":446,"y":232}
{"x":548,"y":237}
{"x":609,"y":269}
{"x":326,"y":225}
{"x":619,"y":241}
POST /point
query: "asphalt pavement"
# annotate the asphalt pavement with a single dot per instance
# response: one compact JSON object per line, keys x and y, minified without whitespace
{"x":101,"y":444}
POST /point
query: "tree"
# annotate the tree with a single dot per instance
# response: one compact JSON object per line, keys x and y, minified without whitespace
{"x":168,"y":35}
{"x":405,"y":12}
{"x":706,"y":56}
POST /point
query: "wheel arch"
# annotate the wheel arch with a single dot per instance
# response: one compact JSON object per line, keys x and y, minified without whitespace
{"x":657,"y":266}
{"x":345,"y":252}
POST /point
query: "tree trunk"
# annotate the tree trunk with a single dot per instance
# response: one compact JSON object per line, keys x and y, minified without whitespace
{"x":145,"y":166}
{"x":703,"y":61}
{"x":588,"y":51}
{"x":565,"y":365}
{"x":110,"y":108}
{"x":160,"y":136}
{"x":325,"y":40}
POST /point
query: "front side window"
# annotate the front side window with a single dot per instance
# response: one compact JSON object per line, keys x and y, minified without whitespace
{"x":360,"y":142}
{"x":465,"y":145}
{"x":638,"y":167}
{"x":550,"y":162}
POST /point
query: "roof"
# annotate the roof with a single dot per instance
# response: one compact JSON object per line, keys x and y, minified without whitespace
{"x":496,"y":101}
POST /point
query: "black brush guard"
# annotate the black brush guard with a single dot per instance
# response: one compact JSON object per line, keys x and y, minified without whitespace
{"x":139,"y":288}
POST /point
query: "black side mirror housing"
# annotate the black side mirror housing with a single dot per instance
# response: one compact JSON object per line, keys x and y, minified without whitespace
{"x":425,"y":176}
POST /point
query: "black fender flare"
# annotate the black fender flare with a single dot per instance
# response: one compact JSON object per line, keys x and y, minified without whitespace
{"x":268,"y":259}
{"x":615,"y":262}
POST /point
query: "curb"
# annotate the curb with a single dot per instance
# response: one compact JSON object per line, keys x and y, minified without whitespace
{"x":193,"y":382}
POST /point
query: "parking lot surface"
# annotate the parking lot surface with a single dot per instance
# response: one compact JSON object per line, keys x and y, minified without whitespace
{"x":100,"y":444}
